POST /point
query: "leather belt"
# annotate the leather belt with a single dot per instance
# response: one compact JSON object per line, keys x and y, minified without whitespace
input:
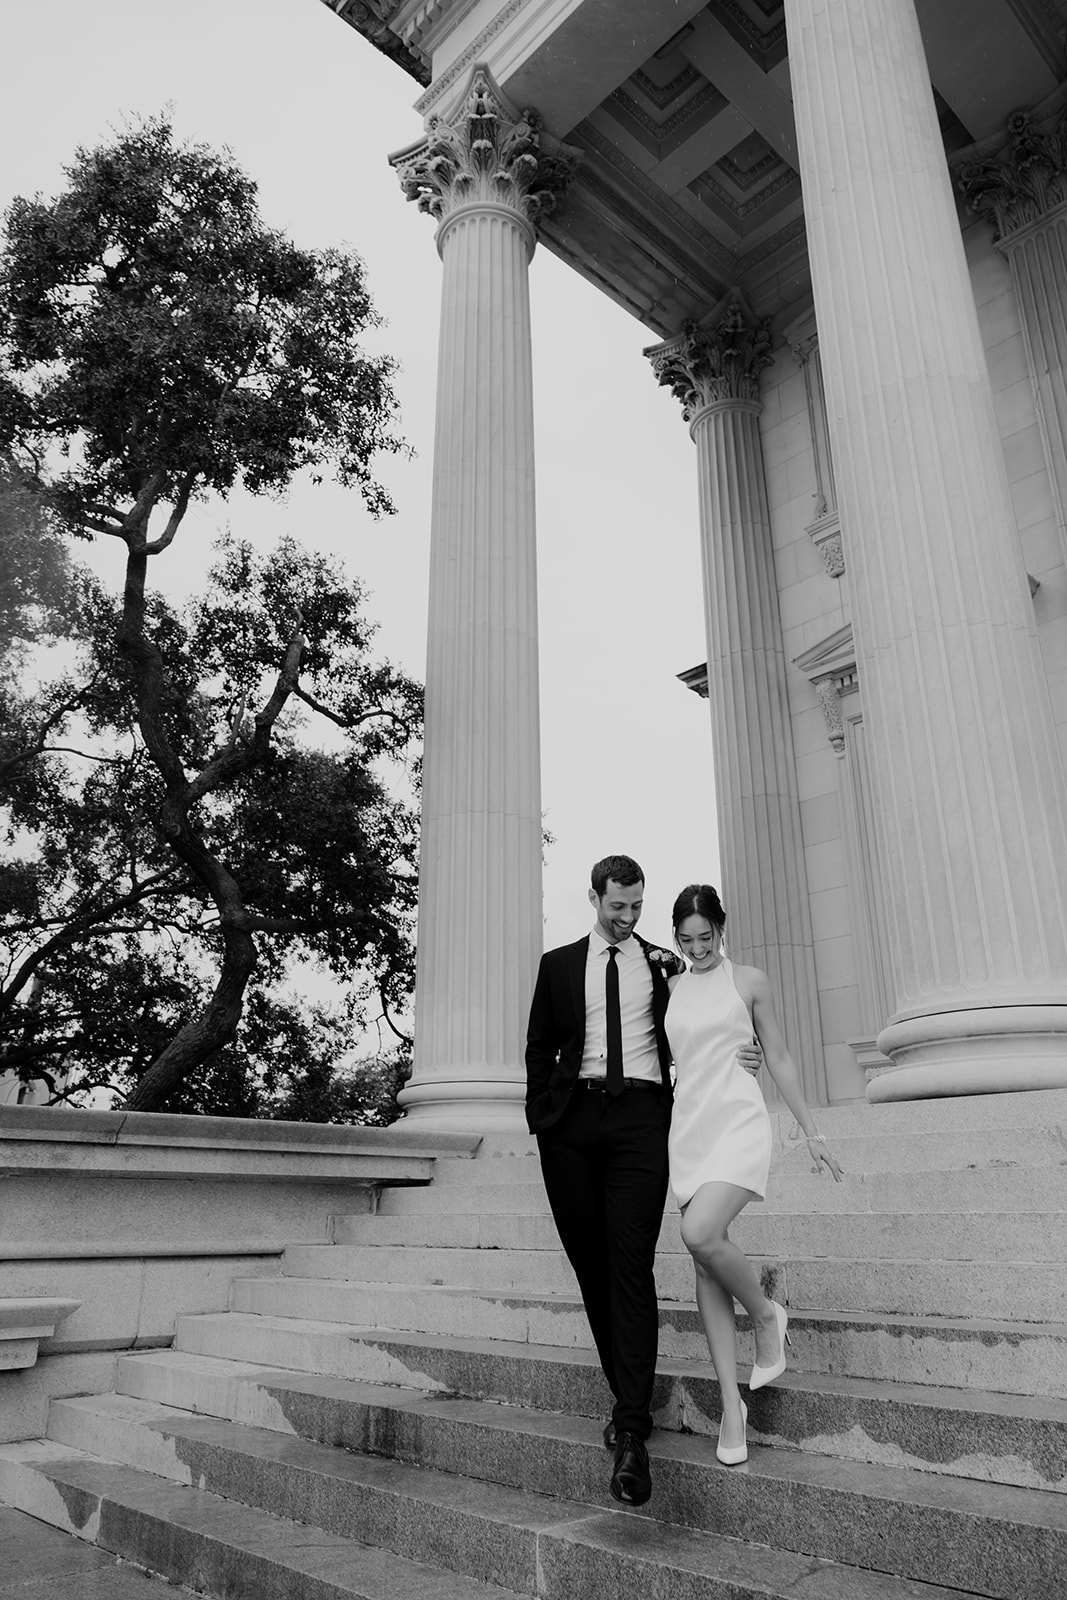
{"x":600,"y":1085}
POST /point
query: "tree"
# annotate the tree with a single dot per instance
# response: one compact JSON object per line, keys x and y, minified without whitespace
{"x":159,"y":345}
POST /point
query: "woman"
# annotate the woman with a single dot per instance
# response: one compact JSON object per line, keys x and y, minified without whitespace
{"x":720,"y":1142}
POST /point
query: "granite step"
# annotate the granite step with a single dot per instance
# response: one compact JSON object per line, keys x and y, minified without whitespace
{"x":759,"y":1230}
{"x":1025,"y":1291}
{"x":248,"y":1554}
{"x":984,"y":1538}
{"x":965,"y":1433}
{"x":1044,"y":1109}
{"x":920,"y":1136}
{"x":932,"y":1151}
{"x":214,"y":1545}
{"x":983,"y":1352}
{"x":38,"y":1562}
{"x":863,"y":1145}
{"x":999,"y":1188}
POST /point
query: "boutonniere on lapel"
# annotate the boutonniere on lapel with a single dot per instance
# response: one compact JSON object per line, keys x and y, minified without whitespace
{"x":666,"y":960}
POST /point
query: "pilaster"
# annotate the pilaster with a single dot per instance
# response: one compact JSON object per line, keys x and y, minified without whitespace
{"x":1020,"y":186}
{"x":966,"y":778}
{"x":714,"y":371}
{"x":824,"y":529}
{"x":485,"y":175}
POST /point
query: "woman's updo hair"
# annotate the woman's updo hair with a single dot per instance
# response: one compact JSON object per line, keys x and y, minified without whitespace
{"x":698,"y":899}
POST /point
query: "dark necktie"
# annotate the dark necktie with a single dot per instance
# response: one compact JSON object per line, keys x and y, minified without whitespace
{"x":614,"y":1022}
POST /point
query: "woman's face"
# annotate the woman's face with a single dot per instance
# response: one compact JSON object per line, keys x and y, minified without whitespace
{"x":700,"y":942}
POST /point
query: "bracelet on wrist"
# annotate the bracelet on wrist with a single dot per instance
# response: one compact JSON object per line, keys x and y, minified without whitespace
{"x":815,"y":1138}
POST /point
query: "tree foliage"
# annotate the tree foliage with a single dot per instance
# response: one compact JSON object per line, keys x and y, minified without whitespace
{"x":171,"y":830}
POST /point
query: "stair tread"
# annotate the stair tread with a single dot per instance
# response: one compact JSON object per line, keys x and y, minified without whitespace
{"x":641,"y":1544}
{"x":925,"y":1324}
{"x":497,"y":1502}
{"x":506,"y":1252}
{"x":796,"y":1379}
{"x":350,"y":1567}
{"x":1034,"y":1507}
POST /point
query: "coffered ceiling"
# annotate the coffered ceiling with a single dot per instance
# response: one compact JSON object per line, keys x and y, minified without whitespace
{"x":689,"y":183}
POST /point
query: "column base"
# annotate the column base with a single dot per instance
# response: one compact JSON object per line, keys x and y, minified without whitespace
{"x":990,"y":1050}
{"x":464,"y":1105}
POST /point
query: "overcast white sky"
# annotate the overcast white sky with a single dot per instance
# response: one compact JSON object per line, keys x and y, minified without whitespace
{"x":312,"y":112}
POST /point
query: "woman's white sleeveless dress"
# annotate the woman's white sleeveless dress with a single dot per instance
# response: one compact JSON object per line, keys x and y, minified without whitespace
{"x":720,"y":1130}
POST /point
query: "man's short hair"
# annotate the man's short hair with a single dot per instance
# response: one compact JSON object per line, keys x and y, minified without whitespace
{"x":622,"y":870}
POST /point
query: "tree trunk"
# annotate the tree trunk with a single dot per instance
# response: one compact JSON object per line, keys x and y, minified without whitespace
{"x":206,"y":1033}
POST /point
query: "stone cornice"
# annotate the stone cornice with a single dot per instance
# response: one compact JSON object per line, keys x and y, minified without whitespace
{"x":473,"y":52}
{"x":371,"y":18}
{"x":486,"y":153}
{"x":717,"y":362}
{"x":1019,"y":178}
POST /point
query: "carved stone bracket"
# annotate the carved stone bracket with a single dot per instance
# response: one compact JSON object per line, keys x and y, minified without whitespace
{"x":718,"y":360}
{"x":825,"y":535}
{"x":830,"y":668}
{"x":486,"y":152}
{"x":1016,"y":181}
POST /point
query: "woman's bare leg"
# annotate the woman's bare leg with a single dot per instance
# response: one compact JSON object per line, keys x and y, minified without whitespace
{"x":724,"y":1274}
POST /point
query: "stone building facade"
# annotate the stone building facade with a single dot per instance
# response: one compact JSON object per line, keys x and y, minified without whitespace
{"x":845,"y":227}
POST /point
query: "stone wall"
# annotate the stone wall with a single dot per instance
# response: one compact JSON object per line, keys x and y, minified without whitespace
{"x":135,"y":1218}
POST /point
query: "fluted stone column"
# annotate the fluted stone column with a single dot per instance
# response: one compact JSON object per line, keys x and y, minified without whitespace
{"x":485,"y":175}
{"x":968,"y":786}
{"x":714,"y":371}
{"x":1020,"y":185}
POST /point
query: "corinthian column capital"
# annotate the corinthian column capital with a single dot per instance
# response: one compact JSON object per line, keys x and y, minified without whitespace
{"x":486,"y":153}
{"x":1022,"y":178}
{"x":722,"y":361}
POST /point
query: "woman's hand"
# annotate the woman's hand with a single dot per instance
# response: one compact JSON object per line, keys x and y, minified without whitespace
{"x":822,"y":1158}
{"x":750,"y":1056}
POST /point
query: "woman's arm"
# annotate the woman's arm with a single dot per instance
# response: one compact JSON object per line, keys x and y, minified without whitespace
{"x":754,"y":987}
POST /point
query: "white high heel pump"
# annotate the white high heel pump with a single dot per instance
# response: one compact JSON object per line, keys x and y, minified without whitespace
{"x":764,"y":1375}
{"x":731,"y":1455}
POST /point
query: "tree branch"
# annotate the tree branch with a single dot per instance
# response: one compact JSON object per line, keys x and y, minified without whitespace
{"x":71,"y":932}
{"x":181,"y":505}
{"x":350,"y":722}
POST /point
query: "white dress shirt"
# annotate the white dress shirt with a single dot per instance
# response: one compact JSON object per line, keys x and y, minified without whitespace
{"x":640,"y":1055}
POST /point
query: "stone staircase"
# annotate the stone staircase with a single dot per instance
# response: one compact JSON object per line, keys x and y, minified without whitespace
{"x":414,"y":1409}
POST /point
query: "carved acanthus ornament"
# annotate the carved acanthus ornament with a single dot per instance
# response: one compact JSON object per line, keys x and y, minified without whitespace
{"x":722,"y":361}
{"x":829,"y":698}
{"x":830,"y":668}
{"x":1025,"y":177}
{"x":488,"y":153}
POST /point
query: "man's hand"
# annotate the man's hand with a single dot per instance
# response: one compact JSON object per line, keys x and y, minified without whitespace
{"x":751,"y":1057}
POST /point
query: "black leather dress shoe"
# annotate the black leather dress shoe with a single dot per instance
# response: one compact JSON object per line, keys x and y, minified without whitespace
{"x":631,"y":1480}
{"x":609,"y":1435}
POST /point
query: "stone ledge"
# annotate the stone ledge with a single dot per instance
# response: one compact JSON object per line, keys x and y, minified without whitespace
{"x":154,"y":1127}
{"x":24,"y":1322}
{"x":147,"y":1144}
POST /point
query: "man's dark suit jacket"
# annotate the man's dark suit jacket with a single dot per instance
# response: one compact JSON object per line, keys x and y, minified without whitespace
{"x":556,"y":1035}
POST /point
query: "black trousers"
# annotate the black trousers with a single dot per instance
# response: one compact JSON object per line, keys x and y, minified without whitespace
{"x":605,"y":1170}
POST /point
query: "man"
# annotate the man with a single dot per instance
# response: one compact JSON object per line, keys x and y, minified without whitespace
{"x":599,"y":1101}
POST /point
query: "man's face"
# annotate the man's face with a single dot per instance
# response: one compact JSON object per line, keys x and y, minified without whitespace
{"x":617,"y":909}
